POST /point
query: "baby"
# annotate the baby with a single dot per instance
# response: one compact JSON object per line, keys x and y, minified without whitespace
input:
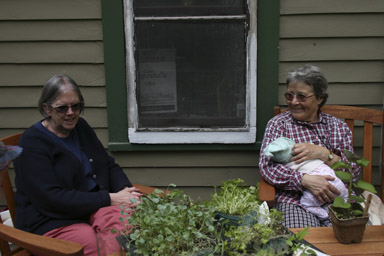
{"x":280,"y":150}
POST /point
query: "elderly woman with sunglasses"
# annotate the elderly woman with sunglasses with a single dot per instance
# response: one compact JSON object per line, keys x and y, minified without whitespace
{"x":68,"y":186}
{"x":317,"y":135}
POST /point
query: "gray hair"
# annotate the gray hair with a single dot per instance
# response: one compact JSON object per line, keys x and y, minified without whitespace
{"x":54,"y":87}
{"x":312,"y":76}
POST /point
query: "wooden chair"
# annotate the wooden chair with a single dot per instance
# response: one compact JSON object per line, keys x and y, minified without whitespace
{"x":23,"y":242}
{"x":267,"y":193}
{"x":350,"y":114}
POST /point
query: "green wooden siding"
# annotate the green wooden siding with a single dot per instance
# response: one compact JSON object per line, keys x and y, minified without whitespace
{"x":85,"y":39}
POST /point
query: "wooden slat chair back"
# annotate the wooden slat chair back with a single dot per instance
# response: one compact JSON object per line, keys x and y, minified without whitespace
{"x":7,"y":185}
{"x":369,"y":117}
{"x":24,"y":242}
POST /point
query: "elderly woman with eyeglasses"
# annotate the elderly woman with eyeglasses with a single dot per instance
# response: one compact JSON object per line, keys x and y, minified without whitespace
{"x":68,"y":186}
{"x":317,"y":135}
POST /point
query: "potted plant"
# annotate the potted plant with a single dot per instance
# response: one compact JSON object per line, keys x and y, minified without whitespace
{"x":174,"y":224}
{"x":171,"y":224}
{"x":235,"y":202}
{"x":249,"y":226}
{"x":269,"y":237}
{"x":349,"y":218}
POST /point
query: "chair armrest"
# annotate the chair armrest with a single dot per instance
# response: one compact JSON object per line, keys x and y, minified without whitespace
{"x":41,"y":245}
{"x":267,"y":193}
{"x":144,"y":189}
{"x":147,"y":189}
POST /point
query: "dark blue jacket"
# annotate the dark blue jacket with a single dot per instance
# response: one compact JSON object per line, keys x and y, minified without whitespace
{"x":51,"y":185}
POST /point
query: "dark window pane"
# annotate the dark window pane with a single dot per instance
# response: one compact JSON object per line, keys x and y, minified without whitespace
{"x":188,"y":7}
{"x":191,"y":74}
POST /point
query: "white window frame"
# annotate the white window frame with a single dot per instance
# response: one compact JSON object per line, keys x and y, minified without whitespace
{"x":192,"y":135}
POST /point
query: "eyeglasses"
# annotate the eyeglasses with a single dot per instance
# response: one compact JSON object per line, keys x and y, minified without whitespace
{"x":64,"y":108}
{"x":300,"y":97}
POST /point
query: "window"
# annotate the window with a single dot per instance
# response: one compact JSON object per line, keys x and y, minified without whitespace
{"x":191,"y":71}
{"x":115,"y":66}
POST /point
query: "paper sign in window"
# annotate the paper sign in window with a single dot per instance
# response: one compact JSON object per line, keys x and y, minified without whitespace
{"x":157,"y":81}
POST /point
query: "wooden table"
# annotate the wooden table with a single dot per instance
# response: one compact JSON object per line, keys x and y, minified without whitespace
{"x":116,"y":254}
{"x":324,"y":240}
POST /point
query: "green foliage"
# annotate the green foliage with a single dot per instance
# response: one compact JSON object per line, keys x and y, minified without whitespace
{"x":171,"y":224}
{"x":294,"y":243}
{"x":344,"y":176}
{"x":365,"y":186}
{"x":348,"y":209}
{"x":235,"y":197}
{"x":246,"y":238}
{"x":297,"y":237}
{"x":339,"y":203}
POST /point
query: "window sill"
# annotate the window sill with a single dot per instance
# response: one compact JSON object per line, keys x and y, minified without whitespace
{"x":125,"y":146}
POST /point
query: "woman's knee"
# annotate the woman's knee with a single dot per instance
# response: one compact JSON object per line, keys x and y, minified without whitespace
{"x":108,"y":218}
{"x":80,"y":233}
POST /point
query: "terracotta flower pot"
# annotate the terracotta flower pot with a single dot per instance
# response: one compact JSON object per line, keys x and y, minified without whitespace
{"x":348,"y":230}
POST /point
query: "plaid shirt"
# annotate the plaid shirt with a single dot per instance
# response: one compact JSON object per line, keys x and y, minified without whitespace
{"x":329,"y":132}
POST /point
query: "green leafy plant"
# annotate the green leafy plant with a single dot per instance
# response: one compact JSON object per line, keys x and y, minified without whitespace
{"x":294,"y":243}
{"x":351,"y":207}
{"x":172,"y":224}
{"x":256,"y":230}
{"x":245,"y":239}
{"x":235,"y":197}
{"x":266,"y":239}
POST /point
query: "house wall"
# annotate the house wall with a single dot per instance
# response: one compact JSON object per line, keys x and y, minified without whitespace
{"x":39,"y":38}
{"x":346,"y":40}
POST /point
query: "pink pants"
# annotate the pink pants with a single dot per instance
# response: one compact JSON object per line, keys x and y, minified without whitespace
{"x":85,"y":234}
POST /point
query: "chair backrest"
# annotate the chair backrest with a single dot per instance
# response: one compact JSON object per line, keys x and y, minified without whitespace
{"x":370,"y":117}
{"x":6,"y":185}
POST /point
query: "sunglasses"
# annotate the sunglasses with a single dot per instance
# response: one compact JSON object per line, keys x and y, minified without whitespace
{"x":64,"y":108}
{"x":300,"y":97}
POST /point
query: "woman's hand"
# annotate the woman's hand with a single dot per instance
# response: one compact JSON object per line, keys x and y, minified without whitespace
{"x":307,"y":151}
{"x":320,"y":187}
{"x":127,"y":197}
